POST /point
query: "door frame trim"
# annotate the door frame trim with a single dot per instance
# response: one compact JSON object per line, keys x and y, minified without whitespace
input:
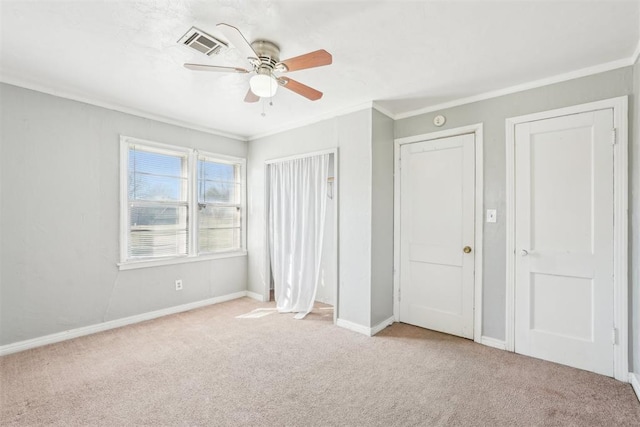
{"x":620,"y":229}
{"x":477,"y":131}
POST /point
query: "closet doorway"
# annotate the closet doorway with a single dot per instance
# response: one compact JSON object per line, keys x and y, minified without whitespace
{"x":567,"y":190}
{"x":301,"y":232}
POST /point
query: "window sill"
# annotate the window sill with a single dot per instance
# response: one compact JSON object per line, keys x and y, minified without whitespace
{"x":131,"y":265}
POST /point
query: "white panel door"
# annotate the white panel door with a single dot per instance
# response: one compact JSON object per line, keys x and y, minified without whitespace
{"x":436,"y":224}
{"x":564,"y":240}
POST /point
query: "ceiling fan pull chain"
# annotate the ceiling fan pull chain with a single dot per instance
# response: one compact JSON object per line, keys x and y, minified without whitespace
{"x":272,"y":91}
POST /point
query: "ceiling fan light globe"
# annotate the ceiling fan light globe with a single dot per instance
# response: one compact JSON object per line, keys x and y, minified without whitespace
{"x":264,"y":86}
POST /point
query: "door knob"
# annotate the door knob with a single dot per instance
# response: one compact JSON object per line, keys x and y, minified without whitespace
{"x":524,"y":252}
{"x":466,"y":249}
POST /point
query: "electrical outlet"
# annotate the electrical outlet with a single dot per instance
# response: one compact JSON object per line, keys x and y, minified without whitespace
{"x":179,"y":285}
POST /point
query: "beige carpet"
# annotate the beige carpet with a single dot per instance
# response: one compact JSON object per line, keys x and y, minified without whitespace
{"x":207,"y":367}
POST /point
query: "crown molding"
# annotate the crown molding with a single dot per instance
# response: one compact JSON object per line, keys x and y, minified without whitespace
{"x":372,"y":105}
{"x":115,"y":107}
{"x":583,"y":72}
{"x":636,"y":54}
{"x":383,"y":110}
{"x":316,"y":119}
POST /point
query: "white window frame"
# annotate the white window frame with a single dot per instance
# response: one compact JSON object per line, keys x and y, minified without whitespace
{"x":192,"y":203}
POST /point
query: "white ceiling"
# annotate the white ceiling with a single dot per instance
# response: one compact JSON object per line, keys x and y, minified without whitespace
{"x":403,"y":55}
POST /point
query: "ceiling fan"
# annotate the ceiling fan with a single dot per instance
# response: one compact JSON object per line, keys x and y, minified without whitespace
{"x":264,"y":56}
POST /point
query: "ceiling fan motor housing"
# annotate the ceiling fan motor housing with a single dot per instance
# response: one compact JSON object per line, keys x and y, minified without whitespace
{"x":268,"y":54}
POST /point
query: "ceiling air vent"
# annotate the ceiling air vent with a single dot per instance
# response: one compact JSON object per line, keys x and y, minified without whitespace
{"x":201,"y":41}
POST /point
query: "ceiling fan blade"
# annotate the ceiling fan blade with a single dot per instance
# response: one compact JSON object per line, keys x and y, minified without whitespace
{"x":201,"y":67}
{"x":309,"y":60}
{"x":238,"y":41}
{"x":300,"y":89}
{"x":251,"y":97}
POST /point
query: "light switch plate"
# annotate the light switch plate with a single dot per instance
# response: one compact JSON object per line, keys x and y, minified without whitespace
{"x":491,"y":215}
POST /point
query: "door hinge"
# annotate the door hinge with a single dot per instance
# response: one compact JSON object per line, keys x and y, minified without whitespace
{"x":614,"y":136}
{"x":399,"y":295}
{"x":614,"y":336}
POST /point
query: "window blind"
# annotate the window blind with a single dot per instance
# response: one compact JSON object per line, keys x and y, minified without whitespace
{"x":219,"y":206}
{"x":158,"y":207}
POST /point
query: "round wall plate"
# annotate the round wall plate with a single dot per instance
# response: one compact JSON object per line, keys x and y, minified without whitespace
{"x":439,"y":120}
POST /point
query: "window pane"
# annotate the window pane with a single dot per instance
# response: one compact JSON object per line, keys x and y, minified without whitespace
{"x":154,"y":163}
{"x":218,"y":240}
{"x":217,"y":182}
{"x":154,"y":176}
{"x":219,"y":227}
{"x":158,"y":231}
{"x":142,"y":216}
{"x":219,"y":217}
{"x":219,"y":192}
{"x":150,"y":187}
{"x":216,"y":171}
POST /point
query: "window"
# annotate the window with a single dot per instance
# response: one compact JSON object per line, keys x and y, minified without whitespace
{"x":219,"y":206}
{"x":158,"y":205}
{"x":179,"y":204}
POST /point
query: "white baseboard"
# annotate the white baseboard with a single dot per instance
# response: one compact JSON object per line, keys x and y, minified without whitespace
{"x":492,"y":342}
{"x":634,"y":379}
{"x":256,"y":296}
{"x":353,"y":327}
{"x":380,"y":326}
{"x":112,"y":324}
{"x":364,"y":329}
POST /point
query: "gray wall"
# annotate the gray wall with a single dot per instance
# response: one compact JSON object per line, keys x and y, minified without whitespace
{"x":634,"y":213}
{"x":352,"y":135}
{"x":382,"y":219}
{"x":492,"y":113}
{"x":59,"y":214}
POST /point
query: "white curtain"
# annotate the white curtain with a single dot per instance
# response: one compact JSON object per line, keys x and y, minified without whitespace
{"x":297,"y":210}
